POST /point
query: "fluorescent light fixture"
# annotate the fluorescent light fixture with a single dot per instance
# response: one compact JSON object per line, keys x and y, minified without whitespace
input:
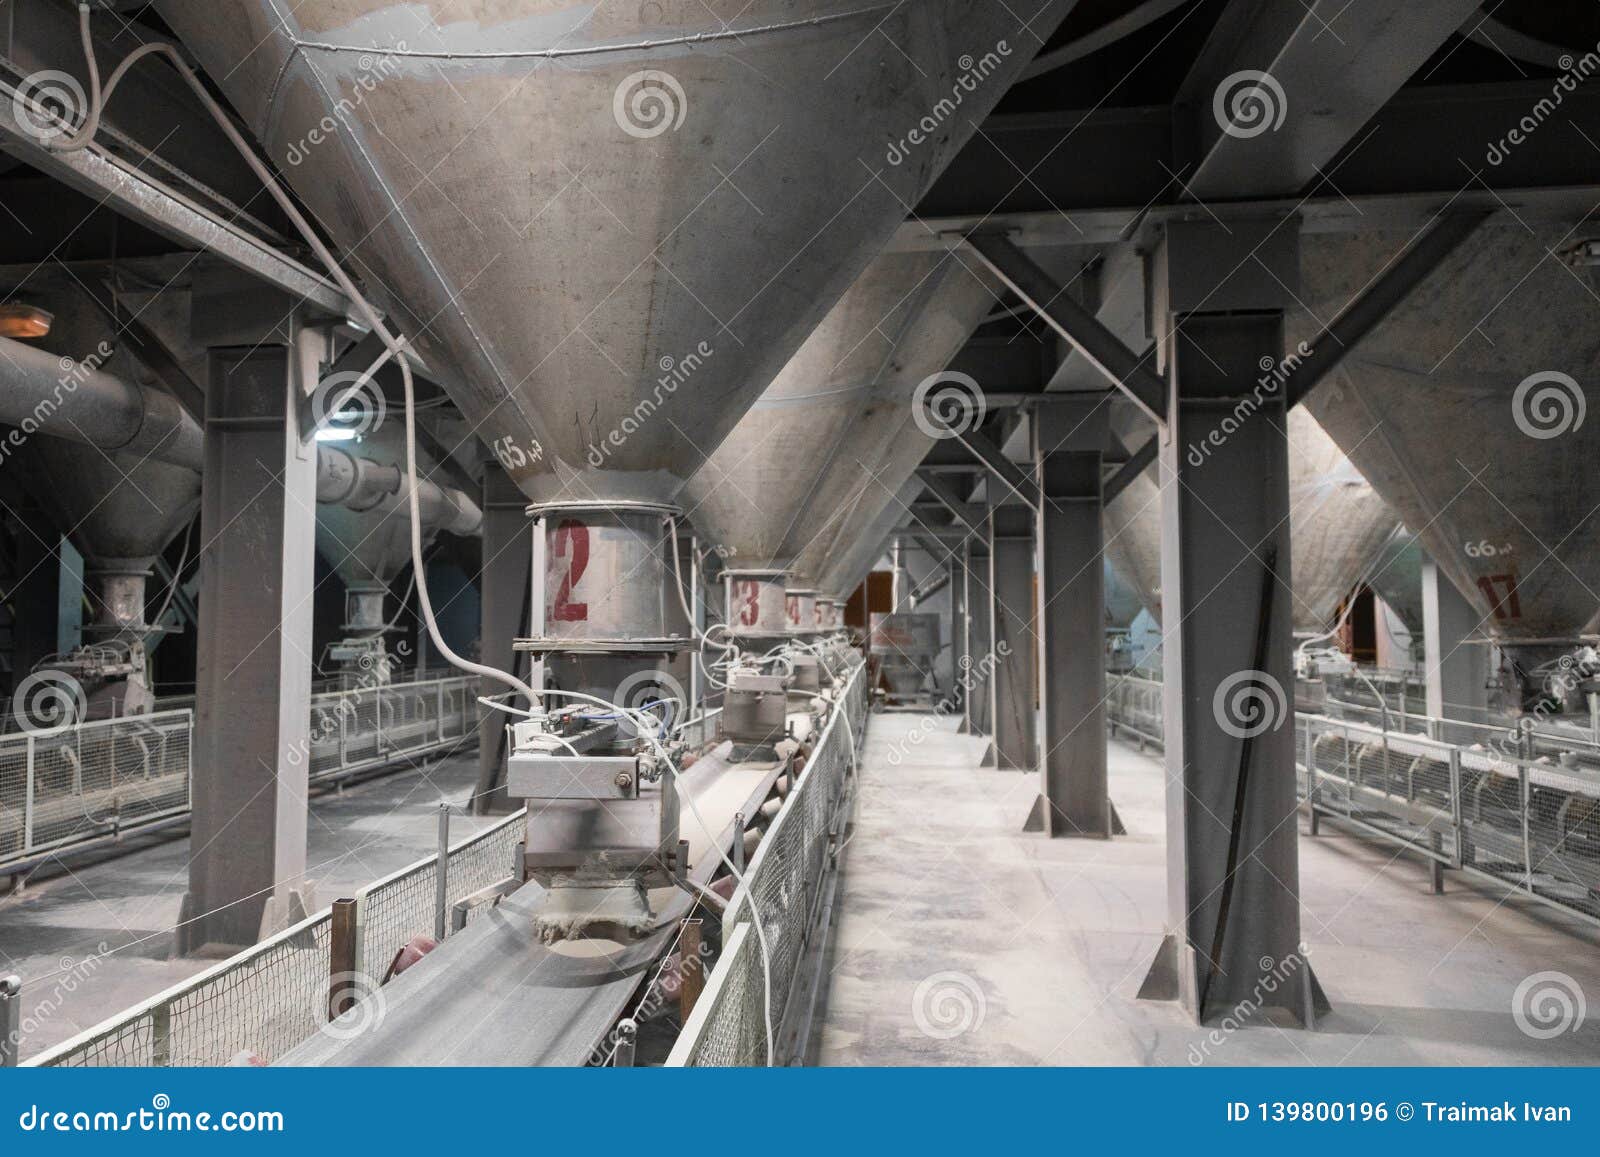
{"x":18,"y":320}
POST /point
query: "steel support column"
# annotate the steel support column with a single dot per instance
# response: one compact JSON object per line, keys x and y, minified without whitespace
{"x":961,"y":634}
{"x":979,"y":676}
{"x":252,"y":739}
{"x":504,"y":595}
{"x":1069,"y":608}
{"x":1233,"y":894}
{"x":1457,"y":670}
{"x":1011,"y":699}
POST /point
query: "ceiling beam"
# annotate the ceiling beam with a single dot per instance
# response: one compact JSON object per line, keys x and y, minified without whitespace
{"x":1098,"y":346}
{"x":1136,"y":465}
{"x":947,"y":495}
{"x":1279,"y":90}
{"x":1094,"y":175}
{"x":1415,"y":264}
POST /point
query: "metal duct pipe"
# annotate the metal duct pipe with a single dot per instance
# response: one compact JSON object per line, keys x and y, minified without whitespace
{"x":362,"y":483}
{"x":43,"y":393}
{"x":58,"y":397}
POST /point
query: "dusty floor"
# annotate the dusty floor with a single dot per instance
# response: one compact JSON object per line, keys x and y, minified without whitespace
{"x":963,"y":941}
{"x":51,"y":931}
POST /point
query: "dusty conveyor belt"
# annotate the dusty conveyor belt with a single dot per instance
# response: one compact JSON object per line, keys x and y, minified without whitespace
{"x":493,"y":994}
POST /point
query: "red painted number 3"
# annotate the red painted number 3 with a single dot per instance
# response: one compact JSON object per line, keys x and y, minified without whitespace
{"x":570,"y":545}
{"x":749,"y":594}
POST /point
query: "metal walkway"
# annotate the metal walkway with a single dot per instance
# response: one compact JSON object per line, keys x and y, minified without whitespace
{"x":964,"y":942}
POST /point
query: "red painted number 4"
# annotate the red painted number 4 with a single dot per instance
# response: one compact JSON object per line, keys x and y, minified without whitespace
{"x":571,"y":547}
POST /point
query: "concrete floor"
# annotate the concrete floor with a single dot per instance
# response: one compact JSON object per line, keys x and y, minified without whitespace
{"x":962,"y":941}
{"x":50,"y":931}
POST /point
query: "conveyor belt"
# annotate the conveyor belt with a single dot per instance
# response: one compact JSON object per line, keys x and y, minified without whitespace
{"x":494,"y":994}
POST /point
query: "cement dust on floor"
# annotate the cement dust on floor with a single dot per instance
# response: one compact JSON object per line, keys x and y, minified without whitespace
{"x":963,"y":941}
{"x":52,"y":931}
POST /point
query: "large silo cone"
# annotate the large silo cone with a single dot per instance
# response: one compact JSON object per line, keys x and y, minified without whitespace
{"x":1338,"y":525}
{"x":369,"y":544}
{"x":781,"y":480}
{"x":612,"y":222}
{"x":119,"y":509}
{"x":1468,"y":409}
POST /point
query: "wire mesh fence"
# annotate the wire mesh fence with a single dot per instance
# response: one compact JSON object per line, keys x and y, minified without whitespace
{"x":784,"y":886}
{"x":106,"y":778}
{"x":91,"y":780}
{"x":1519,"y":806}
{"x":274,"y":995}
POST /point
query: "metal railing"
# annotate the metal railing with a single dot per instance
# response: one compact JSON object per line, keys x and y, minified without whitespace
{"x":790,"y":877}
{"x":92,"y":780}
{"x":274,"y":995}
{"x":364,"y":727}
{"x":1494,"y":807}
{"x":95,"y":782}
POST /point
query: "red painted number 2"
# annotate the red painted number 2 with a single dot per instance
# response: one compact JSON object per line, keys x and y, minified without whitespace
{"x":794,"y":610}
{"x":749,"y":596}
{"x":570,"y":545}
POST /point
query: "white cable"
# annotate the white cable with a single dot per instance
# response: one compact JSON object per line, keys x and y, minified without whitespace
{"x":722,"y":853}
{"x":396,"y":346}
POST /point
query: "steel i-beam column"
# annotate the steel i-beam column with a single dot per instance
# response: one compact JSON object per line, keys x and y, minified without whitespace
{"x":961,"y":632}
{"x":1233,"y":893}
{"x":980,"y":675}
{"x":1011,"y":703}
{"x":504,"y":599}
{"x":252,"y":741}
{"x":1069,"y":607}
{"x":1457,"y":671}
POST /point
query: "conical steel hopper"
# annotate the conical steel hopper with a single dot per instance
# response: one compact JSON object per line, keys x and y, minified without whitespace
{"x":779,"y":481}
{"x":1338,"y":524}
{"x":120,"y":509}
{"x":368,"y":545}
{"x":1466,"y":409}
{"x":612,"y":224}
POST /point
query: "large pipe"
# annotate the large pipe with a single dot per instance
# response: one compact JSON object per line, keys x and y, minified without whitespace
{"x":362,"y":483}
{"x":43,"y":393}
{"x":60,"y":398}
